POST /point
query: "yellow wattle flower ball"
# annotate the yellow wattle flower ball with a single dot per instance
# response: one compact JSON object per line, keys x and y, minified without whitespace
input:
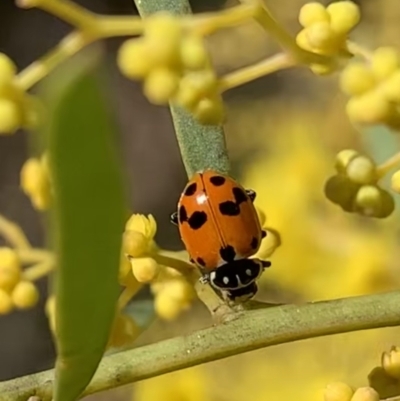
{"x":343,"y":158}
{"x":167,"y":307}
{"x":10,"y":269}
{"x":321,"y":37}
{"x":146,"y":225}
{"x":10,"y":116}
{"x":210,"y":111}
{"x":302,"y":40}
{"x":369,"y":108}
{"x":193,"y":53}
{"x":365,"y":394}
{"x":338,"y":391}
{"x":50,"y":310}
{"x":160,"y":85}
{"x":312,"y":13}
{"x":35,"y":183}
{"x":323,"y":69}
{"x":163,"y":33}
{"x":344,"y":16}
{"x":134,"y":59}
{"x":195,"y":86}
{"x":340,"y":190}
{"x":385,"y":61}
{"x":391,"y":87}
{"x":6,"y":304}
{"x":180,"y":290}
{"x":361,"y":170}
{"x":356,"y":79}
{"x":25,"y":295}
{"x":134,"y":243}
{"x":145,"y":270}
{"x":395,"y":182}
{"x":368,"y":200}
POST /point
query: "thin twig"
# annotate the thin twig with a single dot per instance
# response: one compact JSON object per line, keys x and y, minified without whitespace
{"x":13,"y":234}
{"x":252,"y":330}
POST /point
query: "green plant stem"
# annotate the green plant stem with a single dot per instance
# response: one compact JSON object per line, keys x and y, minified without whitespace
{"x":202,"y":147}
{"x":253,"y":330}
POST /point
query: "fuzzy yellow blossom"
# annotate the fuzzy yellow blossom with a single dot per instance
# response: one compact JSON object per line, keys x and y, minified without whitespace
{"x":50,"y":310}
{"x":35,"y":182}
{"x":139,"y":234}
{"x":172,"y":292}
{"x":124,"y":331}
{"x":173,"y":298}
{"x":325,"y":30}
{"x":17,"y":109}
{"x":25,"y":295}
{"x":365,"y":394}
{"x":137,"y":245}
{"x":144,"y":270}
{"x":391,"y":362}
{"x":6,"y":304}
{"x":338,"y":391}
{"x":395,"y":182}
{"x":355,"y":187}
{"x":10,"y":110}
{"x":174,"y":66}
{"x":10,"y":269}
{"x":374,"y":88}
{"x":145,"y":225}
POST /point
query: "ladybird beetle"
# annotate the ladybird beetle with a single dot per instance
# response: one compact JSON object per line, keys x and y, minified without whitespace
{"x":220,"y":229}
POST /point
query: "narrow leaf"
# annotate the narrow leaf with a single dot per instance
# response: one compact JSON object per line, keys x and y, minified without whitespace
{"x":88,"y":223}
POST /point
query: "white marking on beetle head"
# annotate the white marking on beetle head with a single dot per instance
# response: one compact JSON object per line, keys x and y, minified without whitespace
{"x":201,"y":199}
{"x":225,"y":280}
{"x":248,"y":272}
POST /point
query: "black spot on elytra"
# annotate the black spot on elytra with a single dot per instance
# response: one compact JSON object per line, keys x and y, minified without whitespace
{"x":254,"y":243}
{"x":240,"y":195}
{"x":200,"y":262}
{"x":191,"y":189}
{"x":182,"y":214}
{"x":229,"y":208}
{"x":197,"y":220}
{"x":217,"y":180}
{"x":228,"y":253}
{"x":263,"y":234}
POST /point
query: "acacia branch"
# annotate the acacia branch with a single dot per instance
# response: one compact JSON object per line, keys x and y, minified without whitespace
{"x":252,"y":330}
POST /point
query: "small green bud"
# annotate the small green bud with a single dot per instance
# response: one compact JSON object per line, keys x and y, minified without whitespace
{"x":361,"y":170}
{"x":368,"y":200}
{"x":374,"y":202}
{"x":341,"y":191}
{"x":365,"y":394}
{"x":391,"y":362}
{"x":343,"y":158}
{"x":338,"y":391}
{"x":387,"y":205}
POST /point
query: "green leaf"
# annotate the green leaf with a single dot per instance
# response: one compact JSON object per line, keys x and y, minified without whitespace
{"x":88,"y":222}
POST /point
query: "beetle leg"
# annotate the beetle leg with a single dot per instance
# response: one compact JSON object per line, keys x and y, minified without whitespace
{"x":174,"y":218}
{"x":251,"y":194}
